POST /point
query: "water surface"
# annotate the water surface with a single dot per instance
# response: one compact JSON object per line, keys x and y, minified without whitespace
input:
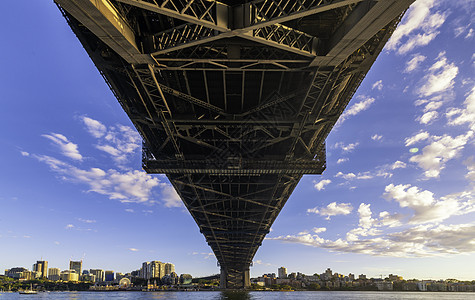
{"x":319,"y":295}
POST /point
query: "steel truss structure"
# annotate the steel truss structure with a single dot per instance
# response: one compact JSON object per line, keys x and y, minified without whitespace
{"x":233,"y":99}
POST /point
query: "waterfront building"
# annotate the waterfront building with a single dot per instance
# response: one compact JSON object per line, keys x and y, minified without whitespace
{"x":362,"y":277}
{"x":282,"y":271}
{"x":15,"y":273}
{"x":170,"y":279}
{"x":157,"y":269}
{"x":169,"y":268}
{"x":88,"y":277}
{"x":119,"y":276}
{"x":29,"y":275}
{"x":145,"y":270}
{"x":69,"y":275}
{"x":54,"y":274}
{"x":109,"y":276}
{"x":76,"y":266}
{"x":327,"y":275}
{"x":185,"y":279}
{"x":98,"y":273}
{"x":383,"y":285}
{"x":392,"y":277}
{"x":41,"y":266}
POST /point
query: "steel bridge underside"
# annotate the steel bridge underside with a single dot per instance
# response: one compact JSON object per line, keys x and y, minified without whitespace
{"x":233,"y":99}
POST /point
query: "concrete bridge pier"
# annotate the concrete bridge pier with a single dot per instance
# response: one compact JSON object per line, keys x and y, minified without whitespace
{"x":235,"y":278}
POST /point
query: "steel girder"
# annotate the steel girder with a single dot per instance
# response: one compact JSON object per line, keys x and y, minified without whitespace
{"x":234,"y":100}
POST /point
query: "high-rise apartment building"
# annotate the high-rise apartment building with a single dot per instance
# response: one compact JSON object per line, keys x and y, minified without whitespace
{"x":282,"y":272}
{"x":119,"y":276}
{"x":157,"y":269}
{"x":98,"y":273}
{"x":41,"y":266}
{"x":109,"y":275}
{"x":76,"y":266}
{"x":54,"y":274}
{"x":145,"y":270}
{"x":169,"y":268}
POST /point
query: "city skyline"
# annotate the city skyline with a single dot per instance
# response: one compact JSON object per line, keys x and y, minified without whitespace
{"x":397,"y":196}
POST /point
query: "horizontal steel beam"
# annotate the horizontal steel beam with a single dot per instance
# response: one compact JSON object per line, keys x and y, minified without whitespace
{"x":242,"y":168}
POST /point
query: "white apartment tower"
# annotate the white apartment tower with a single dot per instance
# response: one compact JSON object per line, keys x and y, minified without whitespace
{"x":282,"y":272}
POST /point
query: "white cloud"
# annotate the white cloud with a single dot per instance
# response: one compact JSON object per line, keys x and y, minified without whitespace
{"x":95,"y":128}
{"x":365,"y":216}
{"x":356,"y":108}
{"x":342,"y":160}
{"x":377,"y":85}
{"x":385,"y":170}
{"x":259,"y":262}
{"x":390,"y":220}
{"x":440,"y":77}
{"x":321,"y":184}
{"x":67,"y":148}
{"x":24,"y":153}
{"x":470,"y":34}
{"x":69,"y":226}
{"x":418,"y":241}
{"x":350,"y":176}
{"x":133,"y":249}
{"x":131,"y":186}
{"x":414,"y":63}
{"x":129,"y":210}
{"x":346,"y":148}
{"x":87,"y":221}
{"x":318,"y":230}
{"x":419,"y":28}
{"x":470,"y":163}
{"x":459,"y":116}
{"x":170,"y":196}
{"x":421,"y":136}
{"x":433,"y":105}
{"x":118,"y":141}
{"x":428,"y":117}
{"x":208,"y":255}
{"x":425,"y":207}
{"x":332,"y":209}
{"x":347,"y":176}
{"x":376,"y":137}
{"x":398,"y":165}
{"x":442,"y":149}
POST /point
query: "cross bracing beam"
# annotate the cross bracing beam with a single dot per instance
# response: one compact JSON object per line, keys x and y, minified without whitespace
{"x":247,"y":65}
{"x":264,"y":28}
{"x":211,"y":14}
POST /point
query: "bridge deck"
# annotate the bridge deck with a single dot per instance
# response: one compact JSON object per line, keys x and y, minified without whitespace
{"x":234,"y":99}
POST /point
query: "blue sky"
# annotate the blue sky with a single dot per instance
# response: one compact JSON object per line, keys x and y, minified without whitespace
{"x":398,"y":195}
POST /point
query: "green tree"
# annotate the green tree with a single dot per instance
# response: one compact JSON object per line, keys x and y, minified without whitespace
{"x":314,"y":286}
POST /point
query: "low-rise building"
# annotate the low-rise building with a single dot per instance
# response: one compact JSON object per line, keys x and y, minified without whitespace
{"x":54,"y":274}
{"x":69,"y":275}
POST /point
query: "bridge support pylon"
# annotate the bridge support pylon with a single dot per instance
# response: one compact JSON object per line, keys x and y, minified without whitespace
{"x":235,"y":278}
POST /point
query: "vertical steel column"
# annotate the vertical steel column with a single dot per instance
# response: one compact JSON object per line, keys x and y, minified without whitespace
{"x":235,"y":279}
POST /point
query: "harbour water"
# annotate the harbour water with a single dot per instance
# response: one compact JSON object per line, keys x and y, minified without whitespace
{"x":319,"y":295}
